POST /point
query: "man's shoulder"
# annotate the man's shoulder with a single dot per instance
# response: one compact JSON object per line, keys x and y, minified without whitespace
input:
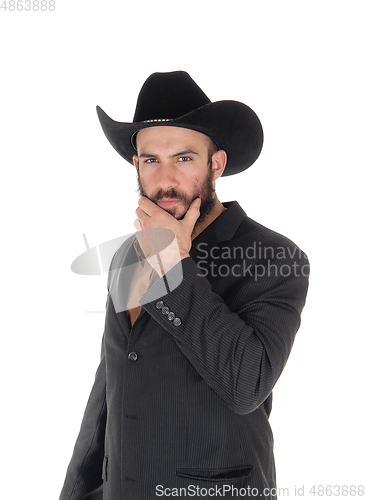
{"x":251,"y":229}
{"x":123,"y":251}
{"x":264,"y":241}
{"x":119,"y":258}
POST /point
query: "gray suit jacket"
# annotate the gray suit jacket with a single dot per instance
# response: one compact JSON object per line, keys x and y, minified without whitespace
{"x":181,"y":400}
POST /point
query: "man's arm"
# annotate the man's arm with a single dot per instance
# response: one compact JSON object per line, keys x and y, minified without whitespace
{"x":240,"y":353}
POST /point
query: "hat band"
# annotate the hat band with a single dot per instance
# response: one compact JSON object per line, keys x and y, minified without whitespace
{"x":158,"y":120}
{"x":133,"y":137}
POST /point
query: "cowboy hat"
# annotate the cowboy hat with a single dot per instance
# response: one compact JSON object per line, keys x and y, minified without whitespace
{"x":175,"y":100}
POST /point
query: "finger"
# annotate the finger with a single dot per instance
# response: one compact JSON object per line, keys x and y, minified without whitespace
{"x":142,"y":215}
{"x":193,"y":212}
{"x":147,"y":205}
{"x":141,"y":237}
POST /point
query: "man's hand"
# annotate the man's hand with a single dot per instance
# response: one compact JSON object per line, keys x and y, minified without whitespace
{"x":151,"y":216}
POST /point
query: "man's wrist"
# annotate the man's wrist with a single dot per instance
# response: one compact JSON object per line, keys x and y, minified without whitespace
{"x":168,"y":264}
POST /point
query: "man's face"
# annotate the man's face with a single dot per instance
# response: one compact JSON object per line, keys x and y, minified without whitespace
{"x":173,"y":170}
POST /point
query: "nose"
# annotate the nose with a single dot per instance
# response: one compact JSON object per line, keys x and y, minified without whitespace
{"x":167,"y":176}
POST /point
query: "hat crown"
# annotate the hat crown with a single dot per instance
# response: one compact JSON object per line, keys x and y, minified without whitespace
{"x":168,"y":96}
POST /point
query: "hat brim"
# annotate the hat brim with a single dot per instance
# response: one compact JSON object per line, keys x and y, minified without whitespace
{"x":231,"y":124}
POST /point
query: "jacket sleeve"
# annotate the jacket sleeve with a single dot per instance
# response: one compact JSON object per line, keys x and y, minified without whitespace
{"x":84,"y":473}
{"x":240,"y":352}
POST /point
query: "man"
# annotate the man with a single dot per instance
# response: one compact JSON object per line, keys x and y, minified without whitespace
{"x":196,"y":334}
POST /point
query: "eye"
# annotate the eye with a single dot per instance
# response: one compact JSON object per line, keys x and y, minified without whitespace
{"x":150,"y":160}
{"x":185,"y":158}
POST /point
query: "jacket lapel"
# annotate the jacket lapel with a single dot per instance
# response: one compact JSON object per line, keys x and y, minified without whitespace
{"x":122,"y":269}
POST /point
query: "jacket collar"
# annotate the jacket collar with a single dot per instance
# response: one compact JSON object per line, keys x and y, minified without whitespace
{"x":224,"y":226}
{"x":228,"y":222}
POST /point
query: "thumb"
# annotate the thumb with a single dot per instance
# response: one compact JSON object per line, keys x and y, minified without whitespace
{"x":193,"y":212}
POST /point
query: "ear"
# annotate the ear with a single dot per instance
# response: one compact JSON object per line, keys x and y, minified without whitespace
{"x":219,"y":160}
{"x":135,"y":159}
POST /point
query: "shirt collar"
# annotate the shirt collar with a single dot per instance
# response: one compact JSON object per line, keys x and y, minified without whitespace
{"x":138,"y":249}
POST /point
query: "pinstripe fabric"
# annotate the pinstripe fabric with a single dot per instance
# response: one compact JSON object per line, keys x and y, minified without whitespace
{"x":191,"y":409}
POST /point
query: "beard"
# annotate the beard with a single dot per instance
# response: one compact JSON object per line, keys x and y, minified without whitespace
{"x":206,"y":192}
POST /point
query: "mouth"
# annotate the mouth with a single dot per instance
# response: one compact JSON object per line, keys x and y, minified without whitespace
{"x":167,"y":202}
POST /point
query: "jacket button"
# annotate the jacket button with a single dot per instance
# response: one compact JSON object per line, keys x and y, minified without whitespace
{"x":132,"y":356}
{"x":165,"y":310}
{"x":177,"y":321}
{"x":171,"y":316}
{"x":159,"y":304}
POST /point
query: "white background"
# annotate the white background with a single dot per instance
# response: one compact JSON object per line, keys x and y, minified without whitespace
{"x":300,"y":66}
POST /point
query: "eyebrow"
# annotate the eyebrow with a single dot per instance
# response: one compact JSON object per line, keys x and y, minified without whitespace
{"x":181,"y":153}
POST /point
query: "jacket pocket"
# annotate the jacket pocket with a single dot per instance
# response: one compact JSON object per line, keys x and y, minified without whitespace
{"x":215,"y":474}
{"x":104,"y":468}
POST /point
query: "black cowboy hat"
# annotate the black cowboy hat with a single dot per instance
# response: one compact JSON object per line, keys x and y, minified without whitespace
{"x":175,"y":100}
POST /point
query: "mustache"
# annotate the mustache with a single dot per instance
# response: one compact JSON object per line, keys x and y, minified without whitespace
{"x":169,"y":193}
